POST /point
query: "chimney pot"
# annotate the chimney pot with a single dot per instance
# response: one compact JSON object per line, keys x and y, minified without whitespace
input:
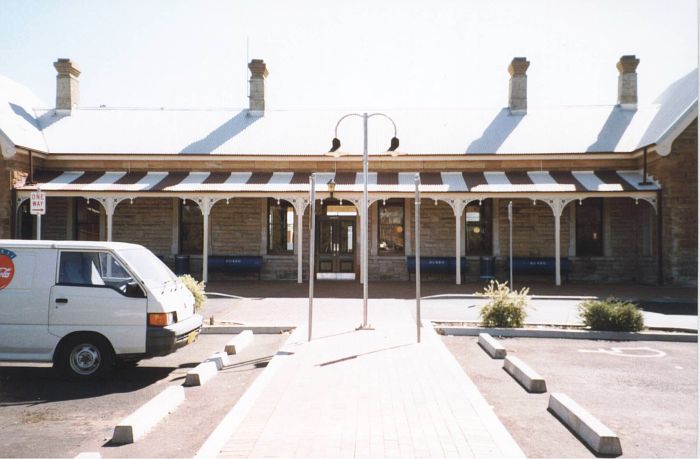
{"x":258,"y":73}
{"x":627,"y":82}
{"x":518,"y":66}
{"x":67,"y":85}
{"x":517,"y":87}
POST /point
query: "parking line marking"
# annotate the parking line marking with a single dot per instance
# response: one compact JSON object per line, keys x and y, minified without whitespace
{"x":623,"y":352}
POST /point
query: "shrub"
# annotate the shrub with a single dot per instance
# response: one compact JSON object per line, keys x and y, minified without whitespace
{"x":506,"y":308}
{"x":197,"y":289}
{"x":611,"y":314}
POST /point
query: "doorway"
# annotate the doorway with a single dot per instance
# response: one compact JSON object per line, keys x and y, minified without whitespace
{"x":336,"y":239}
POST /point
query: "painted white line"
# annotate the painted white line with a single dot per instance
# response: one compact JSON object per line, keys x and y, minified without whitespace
{"x":136,"y":425}
{"x":88,"y":455}
{"x":224,"y":295}
{"x":525,"y":375}
{"x":492,"y":346}
{"x":641,"y":352}
{"x":218,"y":438}
{"x":589,"y":429}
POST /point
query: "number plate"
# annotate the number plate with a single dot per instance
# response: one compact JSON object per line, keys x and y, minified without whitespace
{"x":192,"y":337}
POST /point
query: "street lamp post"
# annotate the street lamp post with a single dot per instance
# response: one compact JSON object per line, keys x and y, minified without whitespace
{"x":365,"y":198}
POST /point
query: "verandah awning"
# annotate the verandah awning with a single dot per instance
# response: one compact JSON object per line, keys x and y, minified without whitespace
{"x":398,"y":182}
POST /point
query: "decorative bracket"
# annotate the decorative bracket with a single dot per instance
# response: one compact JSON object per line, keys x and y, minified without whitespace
{"x":652,"y":202}
{"x":372,"y":200}
{"x":458,"y":205}
{"x":110,"y":203}
{"x":205,"y":204}
{"x":300,"y":205}
{"x":556,"y":204}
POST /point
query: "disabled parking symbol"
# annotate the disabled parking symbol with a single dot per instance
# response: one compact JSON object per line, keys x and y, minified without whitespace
{"x":643,"y":352}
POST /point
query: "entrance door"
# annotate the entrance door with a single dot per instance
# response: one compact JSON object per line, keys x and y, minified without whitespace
{"x":336,"y":248}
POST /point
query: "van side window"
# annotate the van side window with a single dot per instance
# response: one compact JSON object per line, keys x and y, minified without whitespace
{"x":80,"y":268}
{"x":112,"y":271}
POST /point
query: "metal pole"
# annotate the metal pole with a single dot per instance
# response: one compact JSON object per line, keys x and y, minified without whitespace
{"x":417,"y":231}
{"x":510,"y":230}
{"x":365,"y":224}
{"x":557,"y":242}
{"x":205,"y":244}
{"x":458,"y":248}
{"x":109,"y":226}
{"x":300,"y":247}
{"x":312,"y":243}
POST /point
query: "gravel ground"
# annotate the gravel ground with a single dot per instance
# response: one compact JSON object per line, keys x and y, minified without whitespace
{"x":43,"y":416}
{"x":647,"y":396}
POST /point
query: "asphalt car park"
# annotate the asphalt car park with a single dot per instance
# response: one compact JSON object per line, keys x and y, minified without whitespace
{"x":42,"y":415}
{"x":646,"y":392}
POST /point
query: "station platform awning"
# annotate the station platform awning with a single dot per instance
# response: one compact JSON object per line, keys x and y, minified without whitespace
{"x":508,"y":182}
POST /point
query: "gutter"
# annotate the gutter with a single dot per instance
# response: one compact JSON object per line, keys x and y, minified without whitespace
{"x":665,"y":141}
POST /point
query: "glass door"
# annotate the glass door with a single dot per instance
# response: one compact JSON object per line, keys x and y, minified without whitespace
{"x":336,"y":248}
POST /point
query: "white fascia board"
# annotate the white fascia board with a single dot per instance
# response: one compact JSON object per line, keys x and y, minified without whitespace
{"x":7,"y":146}
{"x":663,"y":145}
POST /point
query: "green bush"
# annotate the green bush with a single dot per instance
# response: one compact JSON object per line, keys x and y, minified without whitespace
{"x":611,"y":315}
{"x":197,"y":289}
{"x":506,"y":308}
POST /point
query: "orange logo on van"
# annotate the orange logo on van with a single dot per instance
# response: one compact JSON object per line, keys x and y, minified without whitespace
{"x":7,"y":267}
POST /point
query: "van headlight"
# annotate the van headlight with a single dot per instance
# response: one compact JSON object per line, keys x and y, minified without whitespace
{"x":161,"y":319}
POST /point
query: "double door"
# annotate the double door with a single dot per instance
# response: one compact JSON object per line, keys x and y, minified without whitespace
{"x":336,"y":241}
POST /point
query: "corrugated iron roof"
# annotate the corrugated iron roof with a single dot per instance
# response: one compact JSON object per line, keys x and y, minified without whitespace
{"x":574,"y":129}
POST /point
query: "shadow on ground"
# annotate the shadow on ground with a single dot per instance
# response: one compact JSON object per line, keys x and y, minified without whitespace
{"x":23,"y":385}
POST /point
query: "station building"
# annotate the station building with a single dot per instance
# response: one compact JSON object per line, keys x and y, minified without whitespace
{"x":609,"y":191}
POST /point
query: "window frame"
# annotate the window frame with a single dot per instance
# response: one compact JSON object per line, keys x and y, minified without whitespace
{"x":582,"y":251}
{"x":180,"y":231}
{"x":77,"y":224}
{"x":131,"y":289}
{"x":25,"y":228}
{"x":485,"y":216}
{"x":393,"y":202}
{"x":283,"y":208}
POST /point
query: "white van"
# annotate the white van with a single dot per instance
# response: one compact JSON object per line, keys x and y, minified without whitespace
{"x":87,"y":305}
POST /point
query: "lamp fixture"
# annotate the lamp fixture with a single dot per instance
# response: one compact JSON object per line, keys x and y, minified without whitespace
{"x":331,"y":187}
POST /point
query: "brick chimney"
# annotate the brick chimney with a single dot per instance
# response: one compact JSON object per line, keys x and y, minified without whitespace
{"x":517,"y":88}
{"x":258,"y":73}
{"x":627,"y":82}
{"x":67,"y":86}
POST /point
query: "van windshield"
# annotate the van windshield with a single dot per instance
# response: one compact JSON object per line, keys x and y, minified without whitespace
{"x":147,"y":266}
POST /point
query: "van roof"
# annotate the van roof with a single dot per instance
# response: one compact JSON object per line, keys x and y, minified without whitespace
{"x":68,"y":244}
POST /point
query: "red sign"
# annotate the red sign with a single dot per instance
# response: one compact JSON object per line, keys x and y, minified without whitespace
{"x":7,"y":267}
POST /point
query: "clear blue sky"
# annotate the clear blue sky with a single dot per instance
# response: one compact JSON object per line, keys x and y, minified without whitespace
{"x":360,"y":54}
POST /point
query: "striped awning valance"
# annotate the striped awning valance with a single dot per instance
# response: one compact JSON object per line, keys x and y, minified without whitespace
{"x":442,"y":182}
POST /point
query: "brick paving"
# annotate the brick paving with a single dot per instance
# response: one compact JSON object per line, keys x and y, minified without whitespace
{"x":373,"y":393}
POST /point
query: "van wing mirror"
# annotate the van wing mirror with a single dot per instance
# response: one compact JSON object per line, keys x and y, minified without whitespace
{"x":134,"y":290}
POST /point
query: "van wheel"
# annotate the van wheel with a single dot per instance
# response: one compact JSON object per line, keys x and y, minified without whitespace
{"x":85,"y":357}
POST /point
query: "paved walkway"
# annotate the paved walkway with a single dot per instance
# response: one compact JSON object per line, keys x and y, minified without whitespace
{"x":450,"y":307}
{"x":407,"y":290}
{"x":362,"y":393}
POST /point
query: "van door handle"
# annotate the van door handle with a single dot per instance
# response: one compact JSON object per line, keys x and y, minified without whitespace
{"x":61,"y":300}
